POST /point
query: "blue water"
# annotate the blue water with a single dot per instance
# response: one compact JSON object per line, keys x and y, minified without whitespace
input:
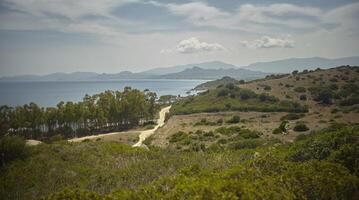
{"x":50,"y":93}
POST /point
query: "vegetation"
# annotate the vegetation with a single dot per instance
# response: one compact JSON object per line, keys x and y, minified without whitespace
{"x":232,"y":98}
{"x":104,"y":112}
{"x":11,"y":148}
{"x":292,"y":116}
{"x":300,"y":127}
{"x":282,"y":128}
{"x":235,"y":119}
{"x":318,"y":166}
{"x":300,"y":89}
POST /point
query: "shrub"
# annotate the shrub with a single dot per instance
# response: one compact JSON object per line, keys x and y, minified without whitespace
{"x":322,"y":94}
{"x":230,"y":86}
{"x":11,"y":148}
{"x":291,"y":116}
{"x":245,"y":94}
{"x":300,"y":89}
{"x":235,"y":119}
{"x":220,"y":121}
{"x":179,"y":136}
{"x":303,"y":97}
{"x":222,"y":93}
{"x":267,"y":87}
{"x":300,"y":127}
{"x":282,"y":128}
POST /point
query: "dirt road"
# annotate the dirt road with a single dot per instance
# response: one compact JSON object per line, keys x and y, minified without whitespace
{"x":147,"y":133}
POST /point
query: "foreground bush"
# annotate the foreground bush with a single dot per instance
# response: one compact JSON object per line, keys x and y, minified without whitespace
{"x":11,"y":148}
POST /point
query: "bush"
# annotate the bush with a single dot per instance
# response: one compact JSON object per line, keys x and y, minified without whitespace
{"x":11,"y":148}
{"x":291,"y":116}
{"x":245,"y":94}
{"x":222,"y":93}
{"x":282,"y":128}
{"x":267,"y":88}
{"x":303,"y":97}
{"x":300,"y":89}
{"x":220,"y":121}
{"x":300,"y":127}
{"x":322,"y":94}
{"x":235,"y":119}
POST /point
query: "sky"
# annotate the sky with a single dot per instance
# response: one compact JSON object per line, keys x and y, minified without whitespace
{"x":109,"y":36}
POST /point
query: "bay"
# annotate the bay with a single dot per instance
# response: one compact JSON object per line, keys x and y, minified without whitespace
{"x":48,"y":94}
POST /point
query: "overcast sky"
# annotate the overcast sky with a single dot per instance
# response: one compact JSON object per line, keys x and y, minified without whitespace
{"x":45,"y":36}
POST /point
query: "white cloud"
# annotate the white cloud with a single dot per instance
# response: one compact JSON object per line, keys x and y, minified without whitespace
{"x":269,"y":42}
{"x":193,"y":45}
{"x":269,"y":18}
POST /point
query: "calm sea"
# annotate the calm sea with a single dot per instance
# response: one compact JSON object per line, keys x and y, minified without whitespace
{"x":50,"y":93}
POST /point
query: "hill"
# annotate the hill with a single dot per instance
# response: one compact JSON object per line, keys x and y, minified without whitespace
{"x":213,"y":84}
{"x":267,"y":105}
{"x":179,"y":68}
{"x":289,"y":65}
{"x":212,"y":74}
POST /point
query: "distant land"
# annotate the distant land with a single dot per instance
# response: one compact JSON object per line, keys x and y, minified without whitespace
{"x":300,"y":64}
{"x":205,"y":71}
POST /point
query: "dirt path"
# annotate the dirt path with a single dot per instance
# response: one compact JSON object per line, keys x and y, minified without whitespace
{"x":160,"y":122}
{"x":142,"y":134}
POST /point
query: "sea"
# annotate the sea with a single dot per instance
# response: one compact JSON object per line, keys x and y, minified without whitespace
{"x":48,"y":94}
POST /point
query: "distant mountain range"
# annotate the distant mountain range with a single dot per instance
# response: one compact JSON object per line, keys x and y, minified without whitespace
{"x":207,"y":70}
{"x":300,"y":64}
{"x":211,"y":74}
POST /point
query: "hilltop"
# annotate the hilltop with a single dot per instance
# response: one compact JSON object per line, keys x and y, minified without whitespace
{"x":291,"y":64}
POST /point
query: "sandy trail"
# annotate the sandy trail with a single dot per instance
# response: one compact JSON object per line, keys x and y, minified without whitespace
{"x":143,"y":134}
{"x":147,"y":133}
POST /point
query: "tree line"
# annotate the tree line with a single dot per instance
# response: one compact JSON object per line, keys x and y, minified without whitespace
{"x":104,"y":112}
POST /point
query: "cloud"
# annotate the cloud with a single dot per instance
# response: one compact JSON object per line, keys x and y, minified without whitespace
{"x":269,"y":18}
{"x":269,"y":42}
{"x":193,"y":45}
{"x":68,"y":16}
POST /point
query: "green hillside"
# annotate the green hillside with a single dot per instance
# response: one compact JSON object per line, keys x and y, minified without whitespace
{"x":320,"y":166}
{"x":233,"y":98}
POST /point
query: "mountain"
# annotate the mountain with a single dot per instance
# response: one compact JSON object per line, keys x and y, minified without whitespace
{"x":179,"y":68}
{"x":123,"y":75}
{"x":300,"y":64}
{"x":216,"y":70}
{"x":212,"y":74}
{"x":75,"y":76}
{"x":214,"y":84}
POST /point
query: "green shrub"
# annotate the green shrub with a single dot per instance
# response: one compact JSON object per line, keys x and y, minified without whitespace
{"x":11,"y":148}
{"x":282,"y":128}
{"x":303,"y":97}
{"x":300,"y":89}
{"x":292,"y":116}
{"x":300,"y":127}
{"x":267,"y":87}
{"x":234,"y":120}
